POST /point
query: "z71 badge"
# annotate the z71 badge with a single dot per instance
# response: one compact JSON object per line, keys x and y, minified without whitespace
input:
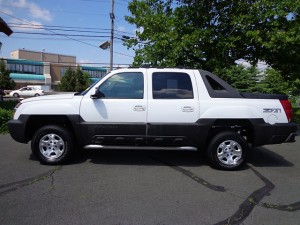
{"x":271,"y":110}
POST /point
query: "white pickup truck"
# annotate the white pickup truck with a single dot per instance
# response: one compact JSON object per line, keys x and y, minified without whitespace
{"x":155,"y":108}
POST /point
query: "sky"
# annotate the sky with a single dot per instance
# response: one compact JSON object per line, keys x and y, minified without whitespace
{"x":70,"y":27}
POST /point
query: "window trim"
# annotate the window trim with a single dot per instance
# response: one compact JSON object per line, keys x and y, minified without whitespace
{"x":143,"y":86}
{"x":175,"y":72}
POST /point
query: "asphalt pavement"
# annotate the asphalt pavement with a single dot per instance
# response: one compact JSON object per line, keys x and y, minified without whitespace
{"x":117,"y":187}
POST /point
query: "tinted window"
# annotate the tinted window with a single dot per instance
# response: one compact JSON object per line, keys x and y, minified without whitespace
{"x":214,"y":84}
{"x":123,"y":86}
{"x":172,"y":86}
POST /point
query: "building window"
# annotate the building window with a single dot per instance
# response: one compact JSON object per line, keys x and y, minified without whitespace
{"x":95,"y":73}
{"x":25,"y":68}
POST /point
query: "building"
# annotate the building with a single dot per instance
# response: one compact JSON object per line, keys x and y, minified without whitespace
{"x":45,"y":69}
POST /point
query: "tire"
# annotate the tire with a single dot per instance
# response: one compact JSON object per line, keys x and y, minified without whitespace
{"x":52,"y":144}
{"x":16,"y":95}
{"x":36,"y":95}
{"x":227,"y":151}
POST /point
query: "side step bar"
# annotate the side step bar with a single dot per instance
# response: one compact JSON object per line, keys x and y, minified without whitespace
{"x":188,"y":148}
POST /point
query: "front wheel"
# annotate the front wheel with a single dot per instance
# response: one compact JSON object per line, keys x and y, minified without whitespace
{"x":52,"y":144}
{"x":227,"y":151}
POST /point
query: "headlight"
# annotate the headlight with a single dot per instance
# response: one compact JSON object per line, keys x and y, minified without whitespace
{"x":16,"y":107}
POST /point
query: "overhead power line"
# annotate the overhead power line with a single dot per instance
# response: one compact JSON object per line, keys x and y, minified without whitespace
{"x":48,"y":30}
{"x":60,"y":39}
{"x":59,"y":34}
{"x":69,"y":29}
{"x":55,"y":26}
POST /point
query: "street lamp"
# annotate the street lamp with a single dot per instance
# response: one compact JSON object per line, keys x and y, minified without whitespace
{"x":105,"y":45}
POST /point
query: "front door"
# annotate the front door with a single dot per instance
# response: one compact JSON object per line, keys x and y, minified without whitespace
{"x":119,"y":115}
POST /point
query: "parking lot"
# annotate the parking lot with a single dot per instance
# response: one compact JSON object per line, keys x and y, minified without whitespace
{"x":117,"y":187}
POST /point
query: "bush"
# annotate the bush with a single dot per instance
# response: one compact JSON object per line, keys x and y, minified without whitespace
{"x":8,"y":104}
{"x":5,"y":116}
{"x":6,"y":113}
{"x":297,"y":116}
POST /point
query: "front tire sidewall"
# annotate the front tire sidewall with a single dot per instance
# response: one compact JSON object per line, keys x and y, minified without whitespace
{"x":212,"y":151}
{"x":66,"y":137}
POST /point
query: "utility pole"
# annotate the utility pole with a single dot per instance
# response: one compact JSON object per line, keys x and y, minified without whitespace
{"x":112,"y":17}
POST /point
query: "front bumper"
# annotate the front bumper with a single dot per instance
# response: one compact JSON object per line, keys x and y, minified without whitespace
{"x":17,"y":129}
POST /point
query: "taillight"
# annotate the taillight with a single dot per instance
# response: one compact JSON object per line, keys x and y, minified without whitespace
{"x":288,"y":109}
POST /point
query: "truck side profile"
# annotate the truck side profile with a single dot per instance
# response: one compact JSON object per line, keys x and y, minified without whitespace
{"x":151,"y":108}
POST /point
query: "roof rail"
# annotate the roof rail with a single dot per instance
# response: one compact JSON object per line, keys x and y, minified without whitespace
{"x":161,"y":67}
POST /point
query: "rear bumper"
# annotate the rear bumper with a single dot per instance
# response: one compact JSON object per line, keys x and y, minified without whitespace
{"x":265,"y":134}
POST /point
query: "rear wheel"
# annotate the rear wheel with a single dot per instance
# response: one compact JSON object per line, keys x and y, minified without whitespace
{"x":227,"y":150}
{"x":16,"y":95}
{"x":52,"y":144}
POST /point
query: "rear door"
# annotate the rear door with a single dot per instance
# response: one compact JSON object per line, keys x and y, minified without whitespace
{"x":173,"y":108}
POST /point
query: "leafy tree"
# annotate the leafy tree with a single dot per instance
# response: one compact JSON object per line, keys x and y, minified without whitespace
{"x":5,"y":81}
{"x":75,"y":80}
{"x":67,"y":82}
{"x":245,"y":79}
{"x":250,"y":79}
{"x":275,"y":83}
{"x":83,"y":80}
{"x":214,"y":34}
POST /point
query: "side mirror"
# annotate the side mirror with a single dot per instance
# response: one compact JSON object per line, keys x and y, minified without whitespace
{"x":97,"y":95}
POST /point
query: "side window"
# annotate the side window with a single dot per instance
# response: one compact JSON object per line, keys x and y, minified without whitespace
{"x":214,"y":84}
{"x":168,"y":85}
{"x":123,"y":86}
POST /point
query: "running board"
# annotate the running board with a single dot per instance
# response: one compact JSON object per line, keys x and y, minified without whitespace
{"x":188,"y":148}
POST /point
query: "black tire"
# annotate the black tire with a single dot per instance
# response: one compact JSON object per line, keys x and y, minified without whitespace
{"x":227,"y":151}
{"x":36,"y":95}
{"x":16,"y":95}
{"x":52,"y":144}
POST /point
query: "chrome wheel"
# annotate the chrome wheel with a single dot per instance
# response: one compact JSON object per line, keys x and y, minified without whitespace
{"x":51,"y":146}
{"x":229,"y":152}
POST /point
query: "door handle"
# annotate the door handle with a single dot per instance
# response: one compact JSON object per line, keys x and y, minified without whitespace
{"x":139,"y":108}
{"x":187,"y":109}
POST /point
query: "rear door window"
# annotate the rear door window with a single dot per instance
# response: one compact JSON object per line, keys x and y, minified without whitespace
{"x":171,"y":85}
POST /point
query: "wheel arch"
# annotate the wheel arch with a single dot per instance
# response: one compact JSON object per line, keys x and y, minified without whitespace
{"x":242,"y":126}
{"x":35,"y":122}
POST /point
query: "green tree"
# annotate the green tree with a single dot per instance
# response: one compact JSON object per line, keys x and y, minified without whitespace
{"x":245,"y":79}
{"x":214,"y":34}
{"x":83,"y":80}
{"x":5,"y":81}
{"x":250,"y":79}
{"x":275,"y":83}
{"x":75,"y":80}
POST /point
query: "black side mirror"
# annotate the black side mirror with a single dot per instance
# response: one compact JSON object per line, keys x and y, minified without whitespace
{"x":97,"y":95}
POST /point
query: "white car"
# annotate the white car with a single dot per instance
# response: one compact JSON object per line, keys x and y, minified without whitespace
{"x":155,"y":108}
{"x":27,"y":92}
